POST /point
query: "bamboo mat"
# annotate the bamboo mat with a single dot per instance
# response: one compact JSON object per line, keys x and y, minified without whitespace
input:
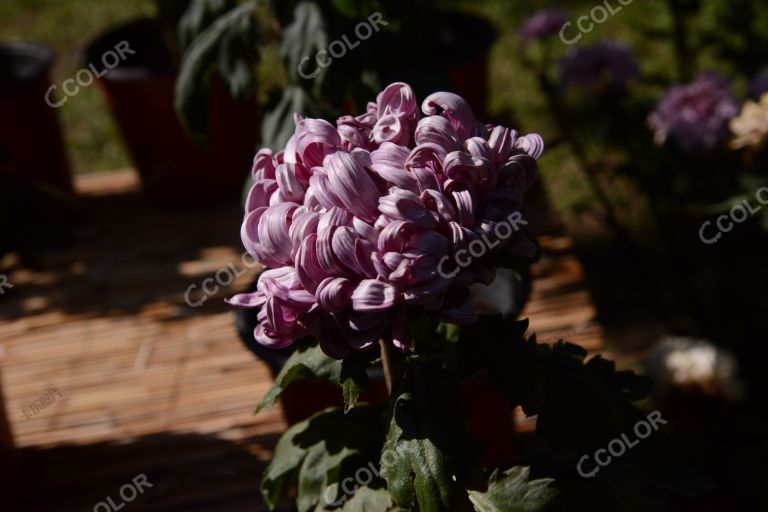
{"x":146,"y":384}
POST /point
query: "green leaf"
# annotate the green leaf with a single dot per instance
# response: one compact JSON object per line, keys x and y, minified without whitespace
{"x":497,"y":346}
{"x":449,"y":335}
{"x":278,"y":125}
{"x":449,"y":332}
{"x":231,"y":33}
{"x":318,"y":453}
{"x":511,"y":491}
{"x":309,"y":362}
{"x":429,"y":455}
{"x":370,"y":500}
{"x":302,"y":39}
{"x":198,"y":16}
{"x":351,"y":8}
{"x":238,"y":57}
{"x":574,"y":390}
{"x":350,"y":388}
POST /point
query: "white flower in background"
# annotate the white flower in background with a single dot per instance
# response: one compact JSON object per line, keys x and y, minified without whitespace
{"x":678,"y":363}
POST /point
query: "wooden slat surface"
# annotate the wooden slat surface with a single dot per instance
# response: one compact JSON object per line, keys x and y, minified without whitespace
{"x":151,"y":385}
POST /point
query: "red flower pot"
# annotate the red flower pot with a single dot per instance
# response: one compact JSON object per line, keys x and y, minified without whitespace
{"x":31,"y":145}
{"x":175,"y":170}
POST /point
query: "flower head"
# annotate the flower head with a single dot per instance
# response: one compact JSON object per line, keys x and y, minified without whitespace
{"x":542,"y":24}
{"x":694,"y":366}
{"x":593,"y":65}
{"x":696,"y":115}
{"x":751,"y":126}
{"x":353,"y":220}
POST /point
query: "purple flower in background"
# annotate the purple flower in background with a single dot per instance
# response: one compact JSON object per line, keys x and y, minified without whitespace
{"x":593,"y":65}
{"x":353,"y":220}
{"x":758,"y":85}
{"x":695,"y":115}
{"x":542,"y":24}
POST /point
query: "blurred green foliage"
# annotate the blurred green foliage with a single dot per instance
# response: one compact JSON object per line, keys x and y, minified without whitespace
{"x":94,"y":143}
{"x":92,"y":139}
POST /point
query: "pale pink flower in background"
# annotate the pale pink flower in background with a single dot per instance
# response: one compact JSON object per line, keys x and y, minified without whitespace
{"x":750,"y":127}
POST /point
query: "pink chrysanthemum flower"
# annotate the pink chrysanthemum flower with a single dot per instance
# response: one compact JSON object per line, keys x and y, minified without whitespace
{"x":352,"y":221}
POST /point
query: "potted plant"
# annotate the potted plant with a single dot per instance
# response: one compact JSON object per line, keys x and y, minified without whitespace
{"x":309,"y":27}
{"x":29,"y":123}
{"x":364,"y":233}
{"x":176,"y":167}
{"x":35,"y":177}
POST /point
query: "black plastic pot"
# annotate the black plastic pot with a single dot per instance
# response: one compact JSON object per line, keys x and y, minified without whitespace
{"x":175,"y":170}
{"x":449,"y":51}
{"x":31,"y":145}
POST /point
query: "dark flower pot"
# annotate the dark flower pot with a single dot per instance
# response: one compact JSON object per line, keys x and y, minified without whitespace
{"x":449,"y":51}
{"x":175,"y":170}
{"x":31,"y":145}
{"x":464,"y":42}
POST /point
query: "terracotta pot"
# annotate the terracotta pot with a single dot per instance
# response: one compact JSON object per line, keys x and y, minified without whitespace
{"x":490,"y":421}
{"x":175,"y":170}
{"x":31,"y":144}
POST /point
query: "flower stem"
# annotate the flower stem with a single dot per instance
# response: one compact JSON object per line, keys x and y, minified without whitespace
{"x":387,"y":364}
{"x":680,"y":37}
{"x":577,"y":148}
